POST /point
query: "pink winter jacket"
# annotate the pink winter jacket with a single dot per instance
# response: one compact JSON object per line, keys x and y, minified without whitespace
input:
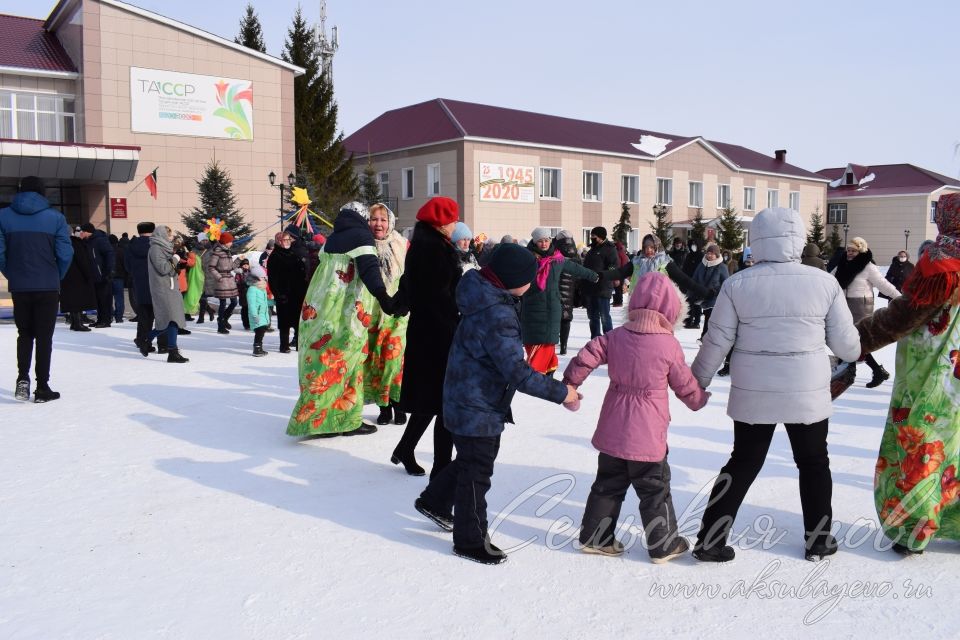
{"x":643,"y":357}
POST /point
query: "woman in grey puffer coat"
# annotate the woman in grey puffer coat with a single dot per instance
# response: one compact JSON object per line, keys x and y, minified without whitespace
{"x":164,"y":292}
{"x":778,"y":316}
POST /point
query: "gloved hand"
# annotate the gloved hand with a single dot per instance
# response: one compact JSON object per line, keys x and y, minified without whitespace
{"x":393,"y":306}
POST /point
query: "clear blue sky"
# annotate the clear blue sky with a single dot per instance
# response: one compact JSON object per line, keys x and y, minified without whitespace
{"x":832,"y":82}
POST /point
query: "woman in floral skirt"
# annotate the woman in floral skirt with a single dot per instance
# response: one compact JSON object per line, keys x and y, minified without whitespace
{"x":916,"y":487}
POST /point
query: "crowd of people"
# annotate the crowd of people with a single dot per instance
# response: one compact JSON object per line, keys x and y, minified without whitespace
{"x":446,"y":327}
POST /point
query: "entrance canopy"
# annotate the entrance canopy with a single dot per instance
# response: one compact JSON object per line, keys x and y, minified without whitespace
{"x":65,"y":161}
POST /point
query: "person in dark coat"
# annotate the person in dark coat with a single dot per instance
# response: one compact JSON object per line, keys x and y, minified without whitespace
{"x":601,"y":257}
{"x":431,"y":273}
{"x":898,"y":272}
{"x":104,"y":261}
{"x":811,"y":257}
{"x":119,"y":278}
{"x":619,"y":285}
{"x":135,"y":262}
{"x":690,"y":263}
{"x":486,"y":368}
{"x":678,"y":254}
{"x":569,"y":287}
{"x":287,"y":275}
{"x":35,"y":253}
{"x":78,"y":291}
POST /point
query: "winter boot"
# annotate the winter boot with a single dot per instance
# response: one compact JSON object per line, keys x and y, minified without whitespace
{"x":385,"y":417}
{"x":258,"y":351}
{"x":183,"y":332}
{"x":821,"y":549}
{"x":718,"y":553}
{"x":905,"y":550}
{"x":173,"y":355}
{"x":145,"y":347}
{"x":615,"y":548}
{"x":44,"y":393}
{"x":879,"y":375}
{"x":76,"y":324}
{"x":487,"y":553}
{"x":409,"y":463}
{"x":363,"y":430}
{"x":399,"y":417}
{"x":222,"y":327}
{"x":22,"y":392}
{"x":442,"y":520}
{"x":724,"y":370}
{"x":679,"y":547}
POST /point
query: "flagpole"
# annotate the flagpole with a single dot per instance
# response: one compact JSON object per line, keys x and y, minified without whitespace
{"x":142,"y":180}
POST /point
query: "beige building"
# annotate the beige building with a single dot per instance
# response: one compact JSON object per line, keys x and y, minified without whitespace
{"x":101,"y":93}
{"x":511,"y":171}
{"x":890,"y":206}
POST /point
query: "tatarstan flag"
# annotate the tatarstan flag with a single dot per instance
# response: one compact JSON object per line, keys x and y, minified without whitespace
{"x":151,"y":182}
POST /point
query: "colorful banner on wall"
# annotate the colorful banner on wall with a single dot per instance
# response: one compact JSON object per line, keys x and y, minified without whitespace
{"x":506,"y":183}
{"x":186,"y":104}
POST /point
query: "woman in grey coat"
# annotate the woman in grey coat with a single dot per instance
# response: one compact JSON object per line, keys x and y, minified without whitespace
{"x":778,"y":316}
{"x":165,"y":292}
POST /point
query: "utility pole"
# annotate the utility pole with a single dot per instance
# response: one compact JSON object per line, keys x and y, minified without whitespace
{"x":327,"y":47}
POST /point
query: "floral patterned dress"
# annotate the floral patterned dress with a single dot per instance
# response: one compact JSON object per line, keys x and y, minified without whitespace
{"x":915,"y":484}
{"x":387,"y":338}
{"x":333,"y":339}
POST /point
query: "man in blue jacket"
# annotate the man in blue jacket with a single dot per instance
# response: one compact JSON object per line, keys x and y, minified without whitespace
{"x":35,"y":253}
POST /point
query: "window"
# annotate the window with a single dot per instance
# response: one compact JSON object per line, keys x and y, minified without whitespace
{"x":383,"y":179}
{"x":408,"y":184}
{"x":837,"y":213}
{"x":633,"y":241}
{"x":723,"y":196}
{"x":629,"y":188}
{"x":749,"y":198}
{"x":433,"y":180}
{"x":665,"y":191}
{"x":550,"y":183}
{"x":696,"y":194}
{"x":773,"y":198}
{"x":36,"y":116}
{"x":586,"y":236}
{"x":933,"y":211}
{"x":592,"y":185}
{"x":795,"y":200}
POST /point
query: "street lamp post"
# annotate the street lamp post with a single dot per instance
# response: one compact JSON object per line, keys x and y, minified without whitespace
{"x":291,"y":180}
{"x":906,"y":239}
{"x":846,"y":228}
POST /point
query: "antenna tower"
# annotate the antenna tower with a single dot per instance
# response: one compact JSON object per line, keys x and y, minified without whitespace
{"x":326,"y":46}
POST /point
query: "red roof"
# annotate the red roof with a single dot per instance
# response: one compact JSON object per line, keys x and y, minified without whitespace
{"x":888,"y":180}
{"x":441,"y":120}
{"x":24,"y":43}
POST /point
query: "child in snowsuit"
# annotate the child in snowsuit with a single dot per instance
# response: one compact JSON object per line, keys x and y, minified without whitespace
{"x":486,"y":367}
{"x":643,"y":359}
{"x":258,"y":313}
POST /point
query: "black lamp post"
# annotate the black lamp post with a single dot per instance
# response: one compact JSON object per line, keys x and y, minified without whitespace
{"x":846,"y":228}
{"x":291,"y":180}
{"x":906,"y":239}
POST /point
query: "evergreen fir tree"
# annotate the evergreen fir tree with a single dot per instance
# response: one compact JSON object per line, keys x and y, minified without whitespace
{"x":369,"y":185}
{"x":216,"y":201}
{"x":816,"y":229}
{"x":835,"y":240}
{"x":317,"y":143}
{"x":251,"y":33}
{"x":730,"y":236}
{"x":661,"y":228}
{"x":622,"y":229}
{"x":698,"y":230}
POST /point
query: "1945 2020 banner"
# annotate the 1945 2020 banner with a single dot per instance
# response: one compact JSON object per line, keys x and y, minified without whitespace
{"x":506,"y":183}
{"x":187,"y":104}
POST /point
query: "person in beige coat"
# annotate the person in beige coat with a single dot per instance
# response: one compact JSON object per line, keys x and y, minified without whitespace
{"x":858,"y":276}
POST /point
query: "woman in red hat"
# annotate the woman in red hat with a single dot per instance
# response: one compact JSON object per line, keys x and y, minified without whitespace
{"x":428,"y":285}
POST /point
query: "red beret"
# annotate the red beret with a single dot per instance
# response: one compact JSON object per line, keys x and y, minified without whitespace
{"x":226,"y":237}
{"x":439,"y":211}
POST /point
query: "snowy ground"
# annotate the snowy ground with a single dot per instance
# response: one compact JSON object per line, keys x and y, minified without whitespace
{"x":164,"y":501}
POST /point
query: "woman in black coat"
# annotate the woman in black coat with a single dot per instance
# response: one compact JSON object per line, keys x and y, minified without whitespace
{"x":568,"y":287}
{"x":287,"y":275}
{"x":77,"y":291}
{"x":427,"y":287}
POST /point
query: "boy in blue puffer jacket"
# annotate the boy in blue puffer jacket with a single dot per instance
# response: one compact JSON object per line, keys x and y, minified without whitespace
{"x":485,"y":368}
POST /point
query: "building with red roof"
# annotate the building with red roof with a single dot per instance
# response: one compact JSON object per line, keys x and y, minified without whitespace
{"x":891,"y":206}
{"x":512,"y":170}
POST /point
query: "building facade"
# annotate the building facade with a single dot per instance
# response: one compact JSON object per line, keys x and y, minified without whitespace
{"x":511,"y":171}
{"x":890,"y":206}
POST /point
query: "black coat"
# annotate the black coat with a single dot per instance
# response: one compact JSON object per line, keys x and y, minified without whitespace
{"x":287,"y":275}
{"x":569,"y":294}
{"x":103,"y":255}
{"x":428,"y":287}
{"x":897,"y":274}
{"x":77,"y":292}
{"x":135,"y":260}
{"x":600,"y":258}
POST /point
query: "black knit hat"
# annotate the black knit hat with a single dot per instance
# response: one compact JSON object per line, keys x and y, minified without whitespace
{"x":145,"y":227}
{"x":600,"y":232}
{"x":514,"y":265}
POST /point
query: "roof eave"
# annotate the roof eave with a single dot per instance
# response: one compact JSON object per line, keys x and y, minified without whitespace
{"x":39,"y":73}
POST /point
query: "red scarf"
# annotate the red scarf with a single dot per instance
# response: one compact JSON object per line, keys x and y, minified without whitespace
{"x":488,"y":275}
{"x":543,"y":267}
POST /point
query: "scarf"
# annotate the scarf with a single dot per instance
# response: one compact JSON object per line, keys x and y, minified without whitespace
{"x":712,"y":263}
{"x":936,"y":278}
{"x":391,"y":252}
{"x":847,"y":270}
{"x":643,"y":264}
{"x":487,"y":274}
{"x":543,"y":267}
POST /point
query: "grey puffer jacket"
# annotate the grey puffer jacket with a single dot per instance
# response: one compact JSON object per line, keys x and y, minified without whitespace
{"x":778,"y":316}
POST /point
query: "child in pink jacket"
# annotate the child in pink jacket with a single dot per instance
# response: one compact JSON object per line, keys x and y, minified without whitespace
{"x":643,"y":358}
